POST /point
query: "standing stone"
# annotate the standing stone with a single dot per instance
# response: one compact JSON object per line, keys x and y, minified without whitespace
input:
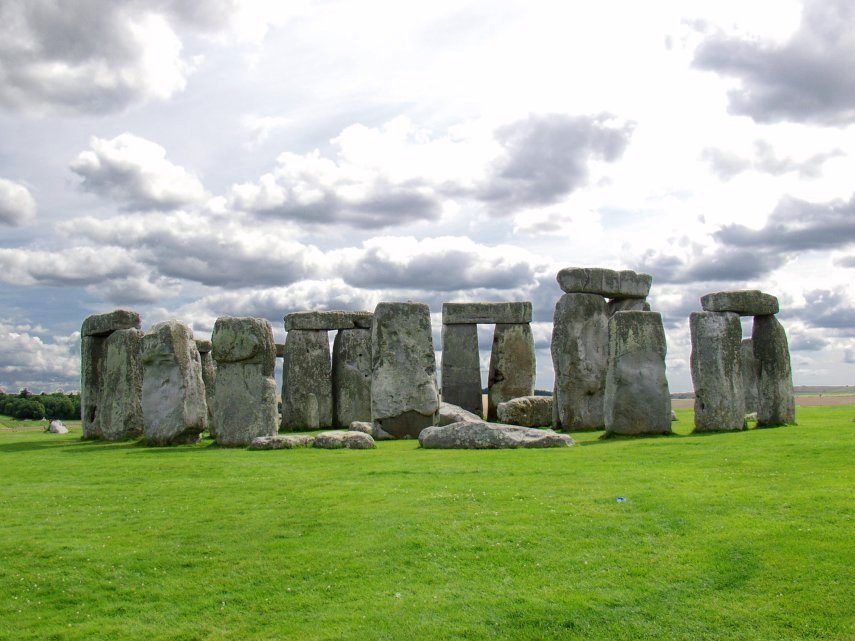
{"x":351,"y":377}
{"x":306,"y":381}
{"x":637,"y":400}
{"x":776,"y":402}
{"x":244,"y":391}
{"x":512,"y":365}
{"x":404,"y":395}
{"x":580,"y":345}
{"x":173,"y":393}
{"x":461,"y":368}
{"x":750,"y":375}
{"x":717,"y":371}
{"x":209,"y":375}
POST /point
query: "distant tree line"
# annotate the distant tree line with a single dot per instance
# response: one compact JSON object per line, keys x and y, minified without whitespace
{"x":26,"y":405}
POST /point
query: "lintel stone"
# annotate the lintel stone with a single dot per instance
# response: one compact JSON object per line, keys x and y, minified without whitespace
{"x":328,"y":320}
{"x":203,"y":346}
{"x":605,"y":282}
{"x":104,"y":324}
{"x":750,"y":302}
{"x":486,"y":313}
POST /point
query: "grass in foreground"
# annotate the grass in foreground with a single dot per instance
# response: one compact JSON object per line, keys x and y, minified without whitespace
{"x":722,"y":536}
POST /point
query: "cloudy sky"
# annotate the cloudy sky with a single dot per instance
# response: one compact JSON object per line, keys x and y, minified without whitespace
{"x":196,"y":158}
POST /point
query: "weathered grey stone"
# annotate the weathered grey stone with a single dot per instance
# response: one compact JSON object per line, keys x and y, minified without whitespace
{"x":203,"y":346}
{"x":512,"y":365}
{"x":104,"y":324}
{"x":528,"y":411}
{"x":404,"y":395}
{"x":328,"y":320}
{"x":450,"y":413}
{"x":637,"y":400}
{"x":281,"y":441}
{"x":461,"y":367}
{"x":280,"y":350}
{"x":750,"y":375}
{"x":717,"y":371}
{"x":244,"y":390}
{"x":351,"y":377}
{"x":776,"y":402}
{"x":580,"y":345}
{"x":369,"y":428}
{"x":750,"y":302}
{"x":605,"y":282}
{"x":627,"y":305}
{"x":751,"y":416}
{"x":674,"y":416}
{"x":209,"y":376}
{"x":489,"y":436}
{"x":111,"y":385}
{"x":486,"y":313}
{"x":173,"y":393}
{"x":339,"y":440}
{"x":306,"y":381}
{"x":56,"y":427}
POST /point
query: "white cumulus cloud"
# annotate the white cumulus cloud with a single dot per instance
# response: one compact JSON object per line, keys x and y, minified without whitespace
{"x":17,"y":205}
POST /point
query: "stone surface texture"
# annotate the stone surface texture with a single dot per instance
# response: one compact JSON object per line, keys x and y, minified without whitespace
{"x":717,"y":371}
{"x":450,"y":413}
{"x":307,"y":397}
{"x":339,"y":440}
{"x":512,"y":365}
{"x":209,"y":377}
{"x":637,"y":400}
{"x":745,"y":303}
{"x":369,"y":428}
{"x":486,"y":313}
{"x":404,"y":394}
{"x":489,"y":436}
{"x":527,"y":411}
{"x":627,"y":305}
{"x":750,"y":375}
{"x":776,"y":401}
{"x":203,"y":346}
{"x":461,"y":367}
{"x":244,"y":390}
{"x":351,"y":377}
{"x":173,"y":393}
{"x":580,"y":346}
{"x":605,"y":282}
{"x":105,"y":324}
{"x":281,"y":442}
{"x":328,"y":320}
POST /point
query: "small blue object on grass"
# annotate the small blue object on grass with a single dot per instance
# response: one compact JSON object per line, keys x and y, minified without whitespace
{"x":620,"y":499}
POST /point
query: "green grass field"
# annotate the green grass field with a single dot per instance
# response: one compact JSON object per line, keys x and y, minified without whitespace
{"x":722,"y":536}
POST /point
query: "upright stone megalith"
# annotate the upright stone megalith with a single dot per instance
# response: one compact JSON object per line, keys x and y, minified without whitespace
{"x":209,"y":375}
{"x":717,"y":371}
{"x":306,"y":381}
{"x":750,"y":375}
{"x":776,"y":402}
{"x":580,"y":348}
{"x":173,"y":393}
{"x":512,"y":365}
{"x":351,"y":377}
{"x":244,"y":391}
{"x":111,"y":376}
{"x":637,"y":400}
{"x":404,"y":395}
{"x":461,"y":367}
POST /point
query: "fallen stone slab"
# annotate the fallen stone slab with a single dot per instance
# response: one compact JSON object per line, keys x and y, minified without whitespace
{"x":750,"y":302}
{"x":328,"y":320}
{"x":485,"y":313}
{"x":339,"y":440}
{"x":104,"y":324}
{"x":489,"y":436}
{"x":527,"y":411}
{"x":605,"y":282}
{"x":368,"y":428}
{"x":281,"y":441}
{"x":450,"y":413}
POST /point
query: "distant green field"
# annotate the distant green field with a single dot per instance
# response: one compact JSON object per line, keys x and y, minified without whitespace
{"x":719,"y":536}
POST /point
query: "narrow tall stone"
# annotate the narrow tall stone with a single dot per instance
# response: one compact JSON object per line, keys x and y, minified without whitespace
{"x":209,"y":375}
{"x":306,"y":381}
{"x":351,"y":377}
{"x":776,"y":402}
{"x":404,"y":395}
{"x":637,"y":400}
{"x":512,"y":365}
{"x":173,"y":393}
{"x":580,"y":346}
{"x":461,"y":368}
{"x":750,"y":375}
{"x":717,"y":371}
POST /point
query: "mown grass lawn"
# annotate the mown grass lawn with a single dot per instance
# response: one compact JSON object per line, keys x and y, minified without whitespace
{"x":722,"y":536}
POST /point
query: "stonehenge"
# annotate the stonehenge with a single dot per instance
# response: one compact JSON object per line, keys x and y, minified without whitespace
{"x":717,"y":371}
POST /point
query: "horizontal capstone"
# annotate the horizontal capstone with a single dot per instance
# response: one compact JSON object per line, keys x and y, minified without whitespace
{"x":486,"y":313}
{"x":328,"y":320}
{"x":605,"y":282}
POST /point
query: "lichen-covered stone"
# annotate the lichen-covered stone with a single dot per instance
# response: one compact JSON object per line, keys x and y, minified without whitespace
{"x":745,"y":303}
{"x":776,"y":401}
{"x":369,"y":428}
{"x":489,"y":436}
{"x":450,"y":413}
{"x":306,"y":381}
{"x":486,"y":313}
{"x":351,"y":377}
{"x":209,"y":376}
{"x":605,"y":282}
{"x":281,"y":441}
{"x":750,"y":375}
{"x":242,"y":339}
{"x":328,"y":320}
{"x":203,"y":346}
{"x":461,"y":367}
{"x":105,"y":324}
{"x":717,"y":371}
{"x":627,"y":305}
{"x":527,"y":411}
{"x":512,"y":365}
{"x":339,"y":440}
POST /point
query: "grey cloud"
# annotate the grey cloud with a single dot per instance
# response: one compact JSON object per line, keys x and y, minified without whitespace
{"x":846,"y":261}
{"x":826,"y":309}
{"x":849,"y":356}
{"x":806,"y":79}
{"x":17,"y":205}
{"x":727,"y":164}
{"x":29,"y":360}
{"x":806,"y":342}
{"x":720,"y":265}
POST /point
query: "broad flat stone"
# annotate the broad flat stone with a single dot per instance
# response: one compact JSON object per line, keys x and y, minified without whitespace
{"x":306,"y":381}
{"x":450,"y":413}
{"x":627,"y":305}
{"x":717,"y":371}
{"x":328,"y":320}
{"x":637,"y":400}
{"x":104,"y":324}
{"x":527,"y":411}
{"x":461,"y":367}
{"x":776,"y":402}
{"x":750,"y":375}
{"x":489,"y":436}
{"x":486,"y":313}
{"x":173,"y":393}
{"x":605,"y":282}
{"x":281,"y":442}
{"x":750,"y":302}
{"x":339,"y":440}
{"x":580,"y":346}
{"x":203,"y":346}
{"x":404,"y":394}
{"x":512,"y":365}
